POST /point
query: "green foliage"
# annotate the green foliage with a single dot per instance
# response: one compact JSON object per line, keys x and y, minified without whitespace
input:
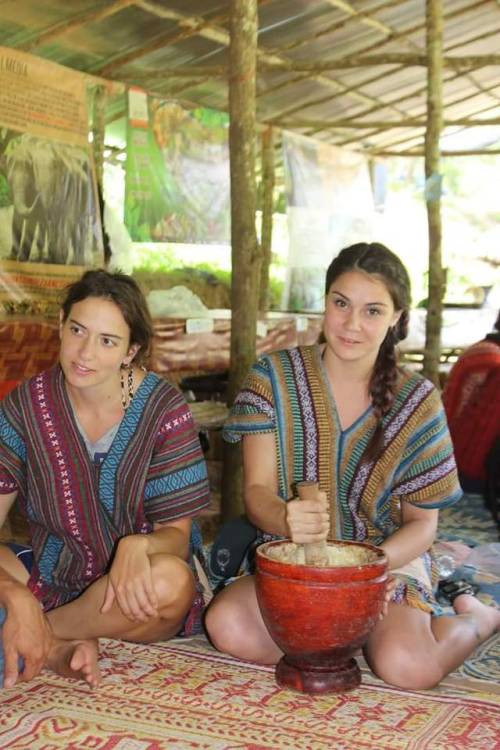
{"x":138,"y":229}
{"x":276,"y":287}
{"x":155,"y":258}
{"x":150,"y":260}
{"x":5,"y":198}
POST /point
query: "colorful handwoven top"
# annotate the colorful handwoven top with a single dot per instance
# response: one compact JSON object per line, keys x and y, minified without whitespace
{"x":288,"y":393}
{"x":154,"y":472}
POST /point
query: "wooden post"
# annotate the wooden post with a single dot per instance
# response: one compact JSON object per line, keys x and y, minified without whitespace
{"x":267,"y":215}
{"x":98,"y":128}
{"x":434,"y":15}
{"x":245,"y":252}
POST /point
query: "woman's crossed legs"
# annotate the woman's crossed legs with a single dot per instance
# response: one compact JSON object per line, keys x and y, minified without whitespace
{"x":408,"y":648}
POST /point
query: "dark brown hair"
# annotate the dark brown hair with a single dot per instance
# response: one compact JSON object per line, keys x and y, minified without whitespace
{"x":124,"y":291}
{"x":495,"y":334}
{"x":377,"y":260}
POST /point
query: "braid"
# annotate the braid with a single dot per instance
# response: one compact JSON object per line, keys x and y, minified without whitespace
{"x":383,"y":381}
{"x":382,"y":387}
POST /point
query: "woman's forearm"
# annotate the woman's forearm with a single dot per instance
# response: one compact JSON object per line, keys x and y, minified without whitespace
{"x":9,"y":588}
{"x":266,"y":510}
{"x":163,"y":540}
{"x":408,"y":542}
{"x":169,"y":539}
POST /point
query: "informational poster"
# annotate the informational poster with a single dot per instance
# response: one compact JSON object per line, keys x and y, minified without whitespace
{"x":48,"y":203}
{"x":329,"y":205}
{"x":177,"y":173}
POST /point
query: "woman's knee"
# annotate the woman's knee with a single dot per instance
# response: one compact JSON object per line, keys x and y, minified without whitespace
{"x":225,"y":624}
{"x":235,"y":626}
{"x":173,"y":582}
{"x":404,"y":666}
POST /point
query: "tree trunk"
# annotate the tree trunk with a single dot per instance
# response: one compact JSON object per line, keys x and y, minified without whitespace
{"x":266,"y":238}
{"x":433,"y":177}
{"x":245,"y":252}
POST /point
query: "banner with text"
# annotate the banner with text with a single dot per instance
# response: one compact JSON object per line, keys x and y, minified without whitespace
{"x":48,"y":199}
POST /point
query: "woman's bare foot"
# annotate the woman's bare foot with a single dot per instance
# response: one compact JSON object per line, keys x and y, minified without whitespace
{"x":77,"y":659}
{"x":486,"y":618}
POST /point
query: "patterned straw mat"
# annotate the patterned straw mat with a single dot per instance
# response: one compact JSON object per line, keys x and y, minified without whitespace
{"x":183,"y":695}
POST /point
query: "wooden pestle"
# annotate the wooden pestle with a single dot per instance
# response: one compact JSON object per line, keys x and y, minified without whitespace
{"x":316,"y":553}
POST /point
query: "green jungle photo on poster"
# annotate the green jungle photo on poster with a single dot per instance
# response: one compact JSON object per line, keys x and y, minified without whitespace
{"x":177,"y":172}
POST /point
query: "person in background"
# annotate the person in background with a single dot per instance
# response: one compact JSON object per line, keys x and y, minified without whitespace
{"x":375,"y":437}
{"x":471,"y":398}
{"x":105,"y":463}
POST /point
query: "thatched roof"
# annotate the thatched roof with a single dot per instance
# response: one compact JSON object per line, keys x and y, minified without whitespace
{"x":350,"y":72}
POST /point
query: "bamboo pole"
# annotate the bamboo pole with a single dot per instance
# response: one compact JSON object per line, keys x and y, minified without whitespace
{"x":434,"y":17}
{"x":266,"y":235}
{"x":245,"y":258}
{"x":98,"y":132}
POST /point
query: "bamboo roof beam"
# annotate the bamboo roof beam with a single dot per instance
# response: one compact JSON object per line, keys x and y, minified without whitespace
{"x":190,"y":25}
{"x":491,"y":91}
{"x":411,"y":145}
{"x":420,"y":91}
{"x":181,"y":87}
{"x":407,"y":33}
{"x":396,"y":36}
{"x":409,"y":122}
{"x":220,"y":71}
{"x":362,"y":16}
{"x":412,"y":95}
{"x":376,"y":131}
{"x":340,"y":24}
{"x":458,"y":100}
{"x":461,"y":62}
{"x":188,"y":71}
{"x":263,"y":57}
{"x":75,"y":22}
{"x":377,"y":104}
{"x":410,"y":142}
{"x":162,"y":40}
{"x":199,"y":24}
{"x":208,"y":30}
{"x":421,"y":152}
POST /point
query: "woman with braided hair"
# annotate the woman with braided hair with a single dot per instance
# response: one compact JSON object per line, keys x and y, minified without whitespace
{"x":342,"y":413}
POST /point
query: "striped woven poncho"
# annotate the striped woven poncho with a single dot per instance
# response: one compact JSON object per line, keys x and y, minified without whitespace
{"x":288,"y":393}
{"x":154,"y":472}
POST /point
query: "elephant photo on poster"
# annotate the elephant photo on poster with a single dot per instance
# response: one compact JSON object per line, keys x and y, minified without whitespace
{"x":48,"y":209}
